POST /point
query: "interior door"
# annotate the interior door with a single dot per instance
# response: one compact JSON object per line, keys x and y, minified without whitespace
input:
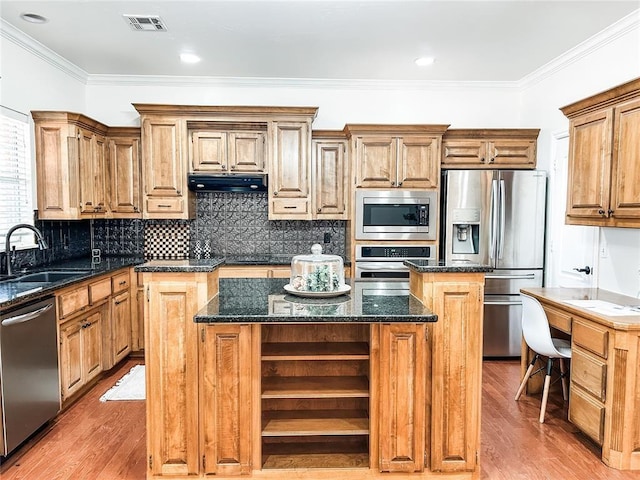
{"x":571,"y":247}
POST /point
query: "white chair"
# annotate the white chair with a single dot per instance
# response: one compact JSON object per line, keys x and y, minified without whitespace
{"x":537,"y":334}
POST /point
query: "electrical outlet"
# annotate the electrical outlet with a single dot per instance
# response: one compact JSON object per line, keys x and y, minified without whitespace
{"x":604,"y":250}
{"x":327,"y":237}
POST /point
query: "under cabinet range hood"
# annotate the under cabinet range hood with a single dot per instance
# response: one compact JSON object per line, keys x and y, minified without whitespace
{"x":232,"y":182}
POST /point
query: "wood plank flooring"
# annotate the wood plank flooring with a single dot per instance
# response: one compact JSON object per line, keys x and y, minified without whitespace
{"x":106,"y":441}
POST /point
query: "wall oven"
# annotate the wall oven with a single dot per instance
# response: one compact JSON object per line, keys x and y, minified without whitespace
{"x":396,"y":215}
{"x":385,"y":262}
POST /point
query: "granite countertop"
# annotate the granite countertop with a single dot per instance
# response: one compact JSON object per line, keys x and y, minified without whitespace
{"x":16,"y":293}
{"x":187,"y":265}
{"x":264,"y":300}
{"x":439,"y":266}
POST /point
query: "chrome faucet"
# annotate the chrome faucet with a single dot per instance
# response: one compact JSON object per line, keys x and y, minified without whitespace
{"x":42,"y":244}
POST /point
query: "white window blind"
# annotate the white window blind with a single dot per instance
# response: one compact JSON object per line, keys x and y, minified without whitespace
{"x":16,"y":199}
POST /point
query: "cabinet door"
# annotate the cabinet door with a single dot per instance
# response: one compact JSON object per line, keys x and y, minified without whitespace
{"x":99,"y":172}
{"x":209,"y":151}
{"x":172,"y":377}
{"x":289,"y":195}
{"x":511,"y":153}
{"x":330,"y":178}
{"x":375,"y":161}
{"x":246,"y":152}
{"x":589,"y":165}
{"x":124,"y":162}
{"x":456,"y":376}
{"x":86,"y":184}
{"x":625,"y":181}
{"x":121,"y":326}
{"x":226,"y":399}
{"x":463,"y":153}
{"x":418,"y":162}
{"x":402,"y":397}
{"x":92,"y":343}
{"x":70,"y":358}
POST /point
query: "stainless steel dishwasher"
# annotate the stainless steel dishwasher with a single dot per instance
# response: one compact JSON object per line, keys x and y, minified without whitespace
{"x":29,"y":380}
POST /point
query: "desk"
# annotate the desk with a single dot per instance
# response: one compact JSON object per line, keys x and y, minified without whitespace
{"x":604,"y":395}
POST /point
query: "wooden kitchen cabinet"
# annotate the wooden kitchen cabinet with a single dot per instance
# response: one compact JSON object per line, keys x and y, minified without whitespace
{"x":81,"y":350}
{"x":604,"y":153}
{"x":226,"y":414}
{"x":402,"y":376}
{"x":125,"y":170}
{"x":172,"y":299}
{"x":489,"y":148}
{"x":222,"y":151}
{"x":71,"y":173}
{"x":330,"y":175}
{"x":289,"y":169}
{"x":121,"y":326}
{"x":387,"y":156}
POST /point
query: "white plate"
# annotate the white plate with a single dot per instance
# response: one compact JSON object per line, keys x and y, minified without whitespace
{"x":341,"y":291}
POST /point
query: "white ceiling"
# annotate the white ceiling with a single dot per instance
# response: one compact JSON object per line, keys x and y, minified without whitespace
{"x":317,"y":39}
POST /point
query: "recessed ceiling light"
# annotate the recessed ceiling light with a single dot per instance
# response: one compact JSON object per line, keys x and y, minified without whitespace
{"x":189,"y":58}
{"x":33,"y":18}
{"x":424,"y":61}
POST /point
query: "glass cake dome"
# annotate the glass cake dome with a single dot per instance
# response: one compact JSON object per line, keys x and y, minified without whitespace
{"x":317,"y":273}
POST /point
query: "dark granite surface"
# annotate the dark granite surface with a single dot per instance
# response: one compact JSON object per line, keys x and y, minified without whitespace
{"x":264,"y":300}
{"x":458,"y":266}
{"x":187,"y":265}
{"x":15,"y":293}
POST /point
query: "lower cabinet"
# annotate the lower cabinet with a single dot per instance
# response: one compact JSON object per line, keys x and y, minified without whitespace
{"x":225,"y":407}
{"x":121,"y":326}
{"x":81,"y":350}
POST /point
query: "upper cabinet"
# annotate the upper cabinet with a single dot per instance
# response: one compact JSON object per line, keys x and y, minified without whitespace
{"x":125,"y":170}
{"x":489,"y":148}
{"x":392,"y":156}
{"x":77,"y":168}
{"x":226,"y":139}
{"x":330,"y":175}
{"x":604,"y":158}
{"x":222,"y":151}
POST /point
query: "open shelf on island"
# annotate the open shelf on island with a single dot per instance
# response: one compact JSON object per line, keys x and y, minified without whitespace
{"x":315,"y":351}
{"x":314,"y":423}
{"x":314,"y":387}
{"x":310,"y":452}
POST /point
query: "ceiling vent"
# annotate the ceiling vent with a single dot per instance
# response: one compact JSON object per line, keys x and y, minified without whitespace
{"x":146,"y":23}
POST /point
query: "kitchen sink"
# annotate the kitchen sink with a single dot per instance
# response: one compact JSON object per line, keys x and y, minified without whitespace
{"x":48,"y":276}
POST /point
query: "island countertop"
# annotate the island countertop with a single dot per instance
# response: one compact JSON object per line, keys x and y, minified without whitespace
{"x":420,"y":265}
{"x":264,"y":300}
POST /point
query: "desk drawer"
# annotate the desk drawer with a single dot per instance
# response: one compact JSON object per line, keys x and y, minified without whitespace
{"x":587,"y":414}
{"x":590,"y":336}
{"x":589,"y":373}
{"x":558,"y":319}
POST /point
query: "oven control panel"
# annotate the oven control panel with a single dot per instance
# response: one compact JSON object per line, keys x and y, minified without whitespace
{"x":371,"y":252}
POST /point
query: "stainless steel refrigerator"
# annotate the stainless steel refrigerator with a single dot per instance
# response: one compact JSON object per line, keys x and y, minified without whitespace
{"x":497,"y":218}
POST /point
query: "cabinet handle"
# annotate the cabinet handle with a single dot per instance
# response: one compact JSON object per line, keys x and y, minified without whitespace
{"x":123,"y":282}
{"x":178,"y":192}
{"x":88,"y":203}
{"x":491,"y":161}
{"x":233,"y":167}
{"x":601,"y":212}
{"x":319,"y":210}
{"x":135,"y":209}
{"x":610,"y":212}
{"x":399,"y":184}
{"x":482,"y":160}
{"x":162,"y":205}
{"x":117,"y":302}
{"x":289,"y":206}
{"x":275,"y":193}
{"x":223,"y":166}
{"x":393,"y":184}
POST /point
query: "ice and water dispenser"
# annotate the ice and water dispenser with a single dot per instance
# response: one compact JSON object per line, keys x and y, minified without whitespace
{"x":466,"y":231}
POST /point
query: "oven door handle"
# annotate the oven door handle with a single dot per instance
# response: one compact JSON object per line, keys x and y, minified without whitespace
{"x":381,"y":268}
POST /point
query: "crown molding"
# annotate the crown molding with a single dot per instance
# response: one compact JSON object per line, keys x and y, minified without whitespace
{"x":592,"y":44}
{"x":16,"y":36}
{"x":318,"y":83}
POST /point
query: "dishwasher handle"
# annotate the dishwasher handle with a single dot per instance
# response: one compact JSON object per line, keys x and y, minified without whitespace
{"x":25,"y":317}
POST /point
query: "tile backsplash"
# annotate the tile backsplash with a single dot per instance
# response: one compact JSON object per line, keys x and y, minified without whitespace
{"x":226,"y":223}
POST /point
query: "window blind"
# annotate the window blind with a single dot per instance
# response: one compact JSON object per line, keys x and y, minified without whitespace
{"x":16,"y":199}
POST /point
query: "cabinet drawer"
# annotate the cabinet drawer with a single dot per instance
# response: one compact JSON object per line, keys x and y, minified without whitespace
{"x":99,"y":290}
{"x":120,"y":282}
{"x":589,"y":372}
{"x":558,"y":319}
{"x":73,"y":301}
{"x":164,"y":205}
{"x":290,"y":205}
{"x":587,"y":414}
{"x":590,"y":336}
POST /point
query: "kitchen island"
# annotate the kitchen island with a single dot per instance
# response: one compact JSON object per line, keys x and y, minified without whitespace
{"x":260,"y":383}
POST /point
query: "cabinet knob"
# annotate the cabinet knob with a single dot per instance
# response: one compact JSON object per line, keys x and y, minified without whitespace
{"x":178,"y":192}
{"x":492,"y":160}
{"x":601,"y":212}
{"x":319,"y":209}
{"x":399,"y":184}
{"x":233,"y":167}
{"x":223,"y":166}
{"x":482,"y":159}
{"x":275,"y":193}
{"x":393,"y":184}
{"x":610,"y":212}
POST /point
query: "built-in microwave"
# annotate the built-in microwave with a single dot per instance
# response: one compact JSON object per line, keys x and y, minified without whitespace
{"x":396,"y":214}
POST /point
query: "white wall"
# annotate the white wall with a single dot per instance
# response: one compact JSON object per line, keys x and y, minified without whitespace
{"x":614,"y":62}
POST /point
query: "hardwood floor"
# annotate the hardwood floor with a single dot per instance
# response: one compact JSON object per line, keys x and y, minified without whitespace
{"x":106,"y":441}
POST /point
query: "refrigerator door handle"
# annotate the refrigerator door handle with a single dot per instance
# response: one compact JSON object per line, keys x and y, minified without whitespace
{"x":493,"y":237}
{"x":502,"y":303}
{"x":502,"y":219}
